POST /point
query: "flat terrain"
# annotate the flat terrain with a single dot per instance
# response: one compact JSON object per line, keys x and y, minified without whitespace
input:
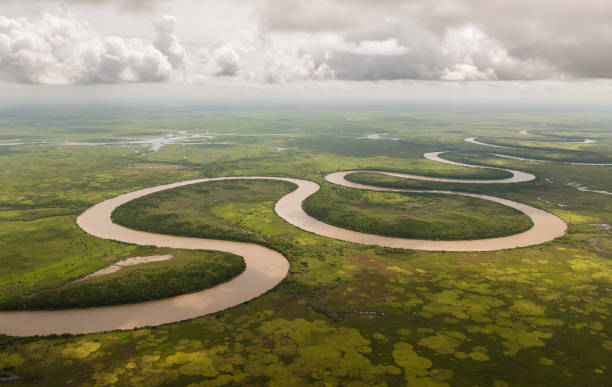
{"x":186,"y":272}
{"x":415,"y":215}
{"x":212,"y":210}
{"x":346,"y":314}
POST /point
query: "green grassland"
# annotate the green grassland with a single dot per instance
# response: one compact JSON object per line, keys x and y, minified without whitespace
{"x":48,"y":252}
{"x":581,"y":153}
{"x":346,"y":314}
{"x":204,"y":210}
{"x":414,"y":215}
{"x":187,"y":272}
{"x":209,"y":210}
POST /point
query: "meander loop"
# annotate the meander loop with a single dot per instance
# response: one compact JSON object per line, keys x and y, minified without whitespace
{"x":265,"y":268}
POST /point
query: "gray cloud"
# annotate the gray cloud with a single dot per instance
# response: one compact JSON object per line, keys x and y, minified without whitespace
{"x":462,"y":53}
{"x":589,"y":60}
{"x":537,"y":40}
{"x":280,"y":41}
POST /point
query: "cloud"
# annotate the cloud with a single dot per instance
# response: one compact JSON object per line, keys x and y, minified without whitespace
{"x":410,"y":51}
{"x":168,"y":43}
{"x":65,"y":50}
{"x":288,"y":68}
{"x":472,"y":55}
{"x":523,"y":39}
{"x":467,"y":72}
{"x":464,"y":53}
{"x":128,"y":5}
{"x":265,"y":59}
{"x":388,"y":47}
{"x":283,"y":41}
{"x":284,"y":59}
{"x":304,"y":15}
{"x":577,"y":60}
{"x":226,"y":61}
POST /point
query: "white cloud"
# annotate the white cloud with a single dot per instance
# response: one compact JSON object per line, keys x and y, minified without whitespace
{"x":467,"y":72}
{"x":388,"y":47}
{"x":475,"y":56}
{"x":148,"y":65}
{"x":203,"y":56}
{"x":324,"y":72}
{"x":265,"y":59}
{"x":291,"y":68}
{"x":65,"y":50}
{"x":168,"y":43}
{"x":226,"y":61}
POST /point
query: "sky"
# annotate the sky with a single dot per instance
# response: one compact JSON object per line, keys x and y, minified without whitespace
{"x":233,"y":50}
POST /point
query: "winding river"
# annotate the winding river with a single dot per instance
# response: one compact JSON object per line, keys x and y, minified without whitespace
{"x":473,"y":140}
{"x":585,"y":141}
{"x":265,"y":268}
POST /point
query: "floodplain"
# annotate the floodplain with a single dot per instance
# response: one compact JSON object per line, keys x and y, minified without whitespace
{"x":347,"y":313}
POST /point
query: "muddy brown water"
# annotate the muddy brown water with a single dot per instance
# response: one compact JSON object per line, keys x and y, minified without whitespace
{"x":586,"y":141}
{"x":265,"y":268}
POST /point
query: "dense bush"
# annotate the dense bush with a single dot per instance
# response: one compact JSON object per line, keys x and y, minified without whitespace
{"x":185,"y":273}
{"x":188,"y":211}
{"x":421,"y":216}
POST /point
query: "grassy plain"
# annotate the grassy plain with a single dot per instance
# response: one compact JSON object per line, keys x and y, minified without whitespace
{"x":209,"y":210}
{"x":203,"y":210}
{"x":187,"y":272}
{"x":346,"y":314}
{"x":414,"y":215}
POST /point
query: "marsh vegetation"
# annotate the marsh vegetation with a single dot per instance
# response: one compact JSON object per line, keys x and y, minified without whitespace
{"x":186,"y":272}
{"x":346,"y":314}
{"x":415,"y":215}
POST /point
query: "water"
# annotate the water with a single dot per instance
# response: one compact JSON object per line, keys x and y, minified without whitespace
{"x":265,"y":268}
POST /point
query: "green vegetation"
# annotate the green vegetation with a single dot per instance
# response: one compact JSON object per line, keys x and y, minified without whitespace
{"x":198,"y":211}
{"x":351,"y":146}
{"x":415,"y":215}
{"x":187,"y":272}
{"x":50,"y":251}
{"x":347,"y":314}
{"x":560,"y":150}
{"x":221,"y":209}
